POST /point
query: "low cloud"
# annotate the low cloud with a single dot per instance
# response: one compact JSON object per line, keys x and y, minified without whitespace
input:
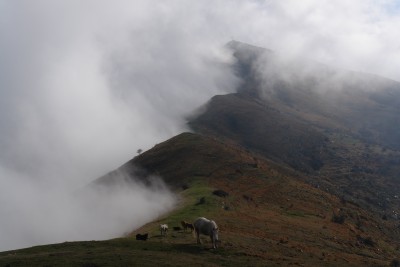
{"x":35,"y":213}
{"x":83,"y":87}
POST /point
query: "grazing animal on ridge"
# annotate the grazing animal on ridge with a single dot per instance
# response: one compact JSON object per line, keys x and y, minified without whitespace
{"x":184,"y":223}
{"x":206,"y":227}
{"x":163,"y":229}
{"x":190,"y":226}
{"x":142,"y":237}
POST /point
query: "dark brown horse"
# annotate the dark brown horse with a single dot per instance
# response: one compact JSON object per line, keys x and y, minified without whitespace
{"x":184,"y":223}
{"x":190,"y":226}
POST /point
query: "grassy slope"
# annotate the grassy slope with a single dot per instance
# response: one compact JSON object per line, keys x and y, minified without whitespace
{"x":269,"y":218}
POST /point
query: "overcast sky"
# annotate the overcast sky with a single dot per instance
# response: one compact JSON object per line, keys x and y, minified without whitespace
{"x":84,"y":84}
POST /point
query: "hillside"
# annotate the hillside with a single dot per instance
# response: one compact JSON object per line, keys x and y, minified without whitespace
{"x":264,"y":129}
{"x":363,"y":105}
{"x":290,"y":221}
{"x":338,"y":127}
{"x":269,"y":217}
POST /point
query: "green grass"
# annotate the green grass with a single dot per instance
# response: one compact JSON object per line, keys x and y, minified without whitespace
{"x":297,"y":213}
{"x":120,"y":252}
{"x":192,"y":206}
{"x":178,"y":248}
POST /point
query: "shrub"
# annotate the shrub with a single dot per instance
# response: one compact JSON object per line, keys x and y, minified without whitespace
{"x":369,"y":242}
{"x":338,"y":218}
{"x":366,"y":241}
{"x":185,"y":186}
{"x":395,"y":263}
{"x":202,"y":200}
{"x":220,"y":193}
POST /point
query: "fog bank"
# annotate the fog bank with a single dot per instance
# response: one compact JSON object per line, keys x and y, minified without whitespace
{"x":32,"y":215}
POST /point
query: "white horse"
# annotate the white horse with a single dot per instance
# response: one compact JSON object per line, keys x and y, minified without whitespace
{"x":206,"y":227}
{"x":163,"y":229}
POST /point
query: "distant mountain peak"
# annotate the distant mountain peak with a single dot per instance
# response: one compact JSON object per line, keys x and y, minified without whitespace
{"x":241,"y":46}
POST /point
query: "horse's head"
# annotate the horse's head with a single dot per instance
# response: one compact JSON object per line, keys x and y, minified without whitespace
{"x":215,"y":231}
{"x":215,"y":234}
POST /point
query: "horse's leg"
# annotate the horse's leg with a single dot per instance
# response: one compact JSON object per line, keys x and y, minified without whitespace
{"x":198,"y":237}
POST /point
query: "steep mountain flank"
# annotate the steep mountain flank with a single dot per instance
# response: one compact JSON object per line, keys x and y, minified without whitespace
{"x":339,"y":127}
{"x":363,"y":105}
{"x":267,"y":213}
{"x":190,"y":157}
{"x":264,"y":129}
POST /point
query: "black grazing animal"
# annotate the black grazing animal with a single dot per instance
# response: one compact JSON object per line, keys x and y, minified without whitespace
{"x":190,"y":226}
{"x":142,"y":237}
{"x":184,"y":225}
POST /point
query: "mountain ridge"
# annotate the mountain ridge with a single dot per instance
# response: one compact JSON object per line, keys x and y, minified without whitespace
{"x":306,"y":179}
{"x":325,"y":156}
